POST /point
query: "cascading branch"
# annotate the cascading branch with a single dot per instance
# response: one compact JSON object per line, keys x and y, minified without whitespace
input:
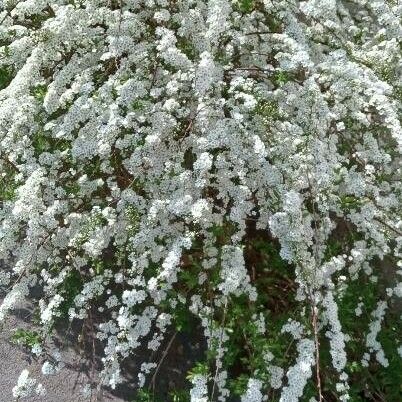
{"x":237,"y":161}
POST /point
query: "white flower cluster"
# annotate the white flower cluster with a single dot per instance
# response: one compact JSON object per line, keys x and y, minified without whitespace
{"x":234,"y":273}
{"x":372,"y":343}
{"x":335,"y":334}
{"x":300,"y":372}
{"x":27,"y":386}
{"x":253,"y":393}
{"x":337,"y":343}
{"x":276,"y":373}
{"x":199,"y":390}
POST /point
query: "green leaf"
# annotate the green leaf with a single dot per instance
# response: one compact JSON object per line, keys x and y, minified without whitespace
{"x":246,"y":6}
{"x":200,"y":368}
{"x":26,"y":337}
{"x":39,"y":92}
{"x":6,"y":76}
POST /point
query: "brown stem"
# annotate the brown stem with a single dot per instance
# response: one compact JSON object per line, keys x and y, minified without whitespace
{"x":312,"y":298}
{"x":220,"y":344}
{"x":398,"y":232}
{"x":259,"y":33}
{"x":11,"y":164}
{"x":317,"y":352}
{"x":165,"y":352}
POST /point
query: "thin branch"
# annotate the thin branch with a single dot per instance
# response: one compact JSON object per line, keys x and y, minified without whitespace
{"x":259,"y":33}
{"x":398,"y":232}
{"x":11,"y":164}
{"x":317,"y":351}
{"x":165,"y":353}
{"x":314,"y":308}
{"x":219,"y":346}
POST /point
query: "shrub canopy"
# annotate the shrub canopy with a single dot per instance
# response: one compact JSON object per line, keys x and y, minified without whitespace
{"x":234,"y":161}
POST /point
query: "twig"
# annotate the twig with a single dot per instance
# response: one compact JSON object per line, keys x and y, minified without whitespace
{"x":313,"y":300}
{"x":288,"y":348}
{"x":398,"y":232}
{"x":191,"y":121}
{"x":93,"y":362}
{"x":12,"y":164}
{"x":259,"y":33}
{"x":165,"y":353}
{"x":30,"y":259}
{"x":219,"y":346}
{"x":317,"y":351}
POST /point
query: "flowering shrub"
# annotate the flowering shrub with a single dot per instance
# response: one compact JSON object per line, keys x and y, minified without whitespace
{"x":238,"y":161}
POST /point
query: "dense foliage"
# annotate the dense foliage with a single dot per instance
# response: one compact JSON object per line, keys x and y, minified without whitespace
{"x":233,"y":165}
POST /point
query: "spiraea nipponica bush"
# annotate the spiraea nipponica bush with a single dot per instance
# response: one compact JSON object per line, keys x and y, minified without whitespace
{"x":232,"y":162}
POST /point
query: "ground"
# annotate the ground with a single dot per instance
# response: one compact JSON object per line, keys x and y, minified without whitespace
{"x":66,"y":385}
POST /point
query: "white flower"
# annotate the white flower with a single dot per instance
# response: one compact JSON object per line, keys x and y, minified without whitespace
{"x":372,"y":343}
{"x":27,"y":386}
{"x":199,"y":208}
{"x":162,"y":15}
{"x":199,"y":390}
{"x":300,"y":372}
{"x":204,"y":162}
{"x":170,"y":105}
{"x":253,"y":393}
{"x":133,"y":297}
{"x":207,"y":73}
{"x":233,"y":273}
{"x":86,"y":390}
{"x":335,"y":334}
{"x":36,"y":349}
{"x":48,"y":368}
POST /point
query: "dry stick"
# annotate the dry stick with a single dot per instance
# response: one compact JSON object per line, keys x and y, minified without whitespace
{"x":165,"y":352}
{"x":219,"y":346}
